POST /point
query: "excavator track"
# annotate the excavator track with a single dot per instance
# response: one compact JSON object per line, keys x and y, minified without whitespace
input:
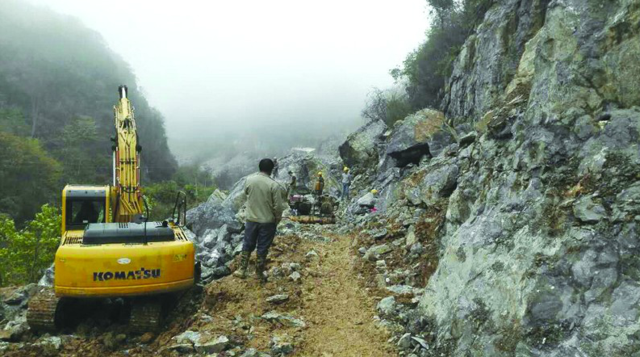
{"x":146,"y":316}
{"x":42,"y":310}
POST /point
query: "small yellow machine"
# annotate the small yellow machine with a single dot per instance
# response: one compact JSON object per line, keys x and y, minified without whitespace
{"x":109,"y":250}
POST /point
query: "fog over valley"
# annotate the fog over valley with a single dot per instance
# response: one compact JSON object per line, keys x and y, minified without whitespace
{"x":255,"y":75}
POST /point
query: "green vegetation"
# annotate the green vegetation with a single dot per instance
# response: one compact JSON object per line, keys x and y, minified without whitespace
{"x":58,"y":85}
{"x":427,"y":68}
{"x":25,"y":254}
{"x":388,"y":106}
{"x":29,"y":177}
{"x":195,"y":182}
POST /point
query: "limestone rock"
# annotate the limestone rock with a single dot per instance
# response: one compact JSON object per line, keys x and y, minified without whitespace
{"x":217,"y":345}
{"x":386,"y":306}
{"x":281,"y":345}
{"x":278,"y":299}
{"x":360,"y":147}
{"x":588,"y":211}
{"x":376,"y":252}
{"x":421,"y":134}
{"x":287,"y":320}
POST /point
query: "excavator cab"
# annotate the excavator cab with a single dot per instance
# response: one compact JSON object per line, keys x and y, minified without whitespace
{"x":82,"y":205}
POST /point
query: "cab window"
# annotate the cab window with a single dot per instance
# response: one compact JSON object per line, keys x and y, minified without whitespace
{"x":81,"y":212}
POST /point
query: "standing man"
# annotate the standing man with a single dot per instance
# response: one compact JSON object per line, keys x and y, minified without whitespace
{"x":291,"y":191}
{"x":264,"y":209}
{"x":318,"y":190}
{"x":292,"y":184}
{"x":319,"y":184}
{"x":276,"y":167}
{"x":346,"y":182}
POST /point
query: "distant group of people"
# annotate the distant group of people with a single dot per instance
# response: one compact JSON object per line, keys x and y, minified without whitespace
{"x":319,"y":183}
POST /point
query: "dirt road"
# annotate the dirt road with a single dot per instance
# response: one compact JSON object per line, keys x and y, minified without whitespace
{"x":328,"y":298}
{"x":313,"y":305}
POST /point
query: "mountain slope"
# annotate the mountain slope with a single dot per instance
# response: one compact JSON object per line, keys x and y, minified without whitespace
{"x":58,"y":84}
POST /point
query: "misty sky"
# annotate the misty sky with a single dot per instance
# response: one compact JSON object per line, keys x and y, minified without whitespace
{"x":255,"y":63}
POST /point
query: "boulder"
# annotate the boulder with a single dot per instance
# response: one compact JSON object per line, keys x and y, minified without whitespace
{"x":281,"y":345}
{"x":387,"y":306}
{"x":188,"y":336}
{"x":287,"y":320}
{"x":47,"y":277}
{"x":411,"y":238}
{"x":421,"y":134}
{"x":278,"y":299}
{"x":368,"y":200}
{"x":360,"y":149}
{"x":14,"y":329}
{"x":295,"y":277}
{"x":375,"y":252}
{"x":405,"y":341}
{"x":217,"y":345}
{"x":50,"y":343}
{"x":438,"y":183}
{"x":20,"y":296}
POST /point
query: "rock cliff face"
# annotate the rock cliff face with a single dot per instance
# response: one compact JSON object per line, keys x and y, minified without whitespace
{"x":534,"y":206}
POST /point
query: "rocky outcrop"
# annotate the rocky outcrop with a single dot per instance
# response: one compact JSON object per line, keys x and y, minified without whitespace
{"x":213,"y":214}
{"x":534,"y":214}
{"x":421,"y":134}
{"x":489,"y":59}
{"x":361,"y":147}
{"x":216,"y":231}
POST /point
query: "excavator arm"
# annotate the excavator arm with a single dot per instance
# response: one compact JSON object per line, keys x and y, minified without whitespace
{"x":128,"y":201}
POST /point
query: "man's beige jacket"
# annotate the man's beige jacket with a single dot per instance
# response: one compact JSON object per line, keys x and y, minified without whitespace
{"x":265,"y":199}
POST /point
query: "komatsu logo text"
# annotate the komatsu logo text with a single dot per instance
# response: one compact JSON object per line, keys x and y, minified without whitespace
{"x":127,"y":275}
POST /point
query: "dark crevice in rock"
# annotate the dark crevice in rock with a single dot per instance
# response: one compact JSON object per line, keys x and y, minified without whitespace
{"x":448,"y":191}
{"x":412,"y":155}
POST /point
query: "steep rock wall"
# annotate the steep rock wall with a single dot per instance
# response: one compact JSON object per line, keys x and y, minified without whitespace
{"x":539,"y":208}
{"x":542,"y":260}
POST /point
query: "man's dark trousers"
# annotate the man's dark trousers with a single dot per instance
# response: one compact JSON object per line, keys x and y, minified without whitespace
{"x":260,"y":235}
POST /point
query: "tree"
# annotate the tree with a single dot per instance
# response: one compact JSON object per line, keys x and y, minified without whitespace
{"x":12,"y":121}
{"x":388,"y":105}
{"x":82,"y":153}
{"x":29,"y":177}
{"x":376,"y":106}
{"x":58,"y":82}
{"x":428,"y":67}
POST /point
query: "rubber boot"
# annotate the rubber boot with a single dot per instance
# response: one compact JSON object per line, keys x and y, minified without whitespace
{"x":241,"y":272}
{"x":260,"y":268}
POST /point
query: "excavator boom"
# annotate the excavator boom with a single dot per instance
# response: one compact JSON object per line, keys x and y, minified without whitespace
{"x":128,"y":203}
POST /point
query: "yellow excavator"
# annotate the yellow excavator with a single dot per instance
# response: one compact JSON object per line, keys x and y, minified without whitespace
{"x":109,"y":249}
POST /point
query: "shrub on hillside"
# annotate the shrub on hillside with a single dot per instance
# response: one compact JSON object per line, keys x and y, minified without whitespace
{"x":25,"y":254}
